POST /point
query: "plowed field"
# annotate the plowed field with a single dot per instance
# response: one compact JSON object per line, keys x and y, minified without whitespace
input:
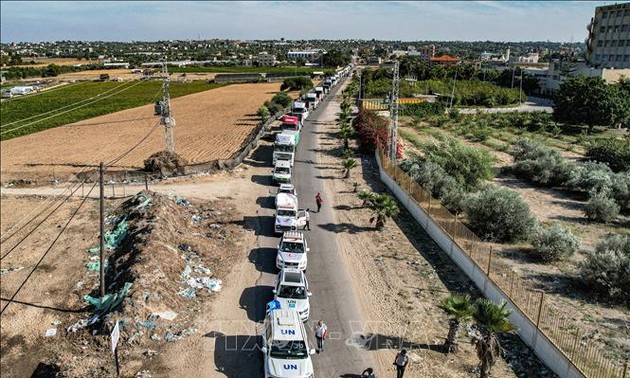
{"x":210,"y":125}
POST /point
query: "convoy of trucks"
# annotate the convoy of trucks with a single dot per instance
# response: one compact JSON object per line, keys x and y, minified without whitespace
{"x":286,"y":347}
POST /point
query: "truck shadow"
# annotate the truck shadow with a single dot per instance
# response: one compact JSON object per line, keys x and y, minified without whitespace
{"x":264,"y":180}
{"x":264,"y":259}
{"x":254,"y":299}
{"x":230,"y":351}
{"x":266,"y":202}
{"x":262,"y":225}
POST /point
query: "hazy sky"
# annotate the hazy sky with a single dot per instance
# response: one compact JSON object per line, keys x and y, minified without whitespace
{"x":395,"y":20}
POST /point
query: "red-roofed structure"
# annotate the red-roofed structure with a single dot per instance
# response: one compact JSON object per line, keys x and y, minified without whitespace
{"x":446,"y":60}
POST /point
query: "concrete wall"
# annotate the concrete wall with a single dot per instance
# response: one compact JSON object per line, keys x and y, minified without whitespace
{"x":553,"y":357}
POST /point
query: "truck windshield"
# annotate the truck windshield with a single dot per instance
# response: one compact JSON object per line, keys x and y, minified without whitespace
{"x":287,"y":191}
{"x":283,"y":148}
{"x":292,"y":247}
{"x":286,"y":213}
{"x":298,"y":110}
{"x":288,"y":349}
{"x":282,"y":170}
{"x":286,"y":126}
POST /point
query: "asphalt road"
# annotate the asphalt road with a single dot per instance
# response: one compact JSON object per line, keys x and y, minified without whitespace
{"x":333,"y":299}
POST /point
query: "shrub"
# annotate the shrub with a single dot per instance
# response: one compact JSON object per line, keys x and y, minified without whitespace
{"x":591,"y":176}
{"x":621,"y":191}
{"x":540,"y":164}
{"x":612,"y":151}
{"x":499,"y":214}
{"x":430,"y":176}
{"x":282,"y":98}
{"x":606,"y":269}
{"x":454,"y":200}
{"x":296,"y":84}
{"x":469,"y":166}
{"x":274,"y":107}
{"x":422,"y":110}
{"x":263,"y":112}
{"x":601,"y":208}
{"x":554,"y":243}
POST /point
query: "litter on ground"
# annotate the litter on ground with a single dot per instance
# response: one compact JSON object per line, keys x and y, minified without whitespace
{"x":51,"y":332}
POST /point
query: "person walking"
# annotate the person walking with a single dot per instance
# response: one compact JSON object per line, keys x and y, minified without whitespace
{"x":318,"y":201}
{"x":307,"y":216}
{"x":401,"y":362}
{"x":321,"y":332}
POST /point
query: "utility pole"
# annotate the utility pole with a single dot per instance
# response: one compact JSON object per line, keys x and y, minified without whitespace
{"x":393,"y":112}
{"x":520,"y":91}
{"x":167,"y":117}
{"x":513,"y":72}
{"x":453,"y":91}
{"x":102,"y":213}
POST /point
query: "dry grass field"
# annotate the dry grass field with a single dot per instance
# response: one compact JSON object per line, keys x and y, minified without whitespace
{"x":210,"y":125}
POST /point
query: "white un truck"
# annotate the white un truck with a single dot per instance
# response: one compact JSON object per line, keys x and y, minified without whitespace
{"x":285,"y":346}
{"x":292,"y":293}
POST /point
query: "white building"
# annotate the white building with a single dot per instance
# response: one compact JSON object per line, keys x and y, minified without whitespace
{"x":608,"y":43}
{"x":265,"y":59}
{"x":531,"y":58}
{"x":307,"y":55}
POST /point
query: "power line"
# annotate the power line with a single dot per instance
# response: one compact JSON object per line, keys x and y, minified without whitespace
{"x":47,"y":251}
{"x":70,"y":110}
{"x":64,"y":107}
{"x":119,"y":157}
{"x":39,"y":224}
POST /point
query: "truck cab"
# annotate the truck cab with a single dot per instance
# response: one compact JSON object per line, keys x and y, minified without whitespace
{"x":291,"y":292}
{"x":299,"y":110}
{"x":327,"y":85}
{"x":282,"y":172}
{"x":292,"y":251}
{"x":284,"y":147}
{"x":285,"y":346}
{"x":312,"y":100}
{"x":288,"y":216}
{"x":319,"y":92}
{"x":290,"y":123}
{"x":285,"y":190}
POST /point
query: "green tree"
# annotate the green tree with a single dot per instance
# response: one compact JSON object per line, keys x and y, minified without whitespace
{"x":366,"y":197}
{"x":493,"y":320}
{"x":461,"y":309}
{"x":348,"y":164}
{"x":593,"y":102}
{"x":383,"y":206}
{"x":345,"y":133}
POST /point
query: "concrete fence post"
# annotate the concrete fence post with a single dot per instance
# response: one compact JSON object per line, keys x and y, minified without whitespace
{"x":489,"y":262}
{"x":540,"y":307}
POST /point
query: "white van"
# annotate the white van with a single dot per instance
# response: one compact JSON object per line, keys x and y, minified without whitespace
{"x":282,"y":172}
{"x":285,"y":346}
{"x":292,"y":251}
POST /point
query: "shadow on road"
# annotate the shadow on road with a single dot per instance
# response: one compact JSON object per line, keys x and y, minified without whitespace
{"x":230,"y":352}
{"x":376,"y":341}
{"x":253,"y":300}
{"x":264,"y":259}
{"x":344,"y":227}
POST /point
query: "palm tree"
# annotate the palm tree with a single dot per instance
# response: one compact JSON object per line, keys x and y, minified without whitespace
{"x":366,"y":197}
{"x":461,"y":309}
{"x":493,"y":319}
{"x":383,"y":206}
{"x":348,"y":164}
{"x":346,"y":133}
{"x":347,"y":153}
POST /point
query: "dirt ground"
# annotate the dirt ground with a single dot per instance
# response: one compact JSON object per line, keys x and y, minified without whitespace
{"x":209,"y":125}
{"x":402,"y":276}
{"x":606,"y":324}
{"x":154,"y":258}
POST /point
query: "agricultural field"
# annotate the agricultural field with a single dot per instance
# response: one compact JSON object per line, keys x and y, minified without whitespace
{"x":210,"y":125}
{"x":601,"y":321}
{"x":251,"y":69}
{"x":25,"y":115}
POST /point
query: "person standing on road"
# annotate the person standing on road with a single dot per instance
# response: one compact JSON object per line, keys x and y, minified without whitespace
{"x":307,"y":216}
{"x":318,"y":201}
{"x":401,"y":362}
{"x":321,"y":332}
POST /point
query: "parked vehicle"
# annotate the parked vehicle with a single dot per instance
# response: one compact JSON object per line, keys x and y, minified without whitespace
{"x":300,"y":110}
{"x":291,"y":291}
{"x":285,"y":346}
{"x":285,"y":189}
{"x":281,"y":172}
{"x":284,"y":146}
{"x":319,"y":92}
{"x":290,"y":123}
{"x":288,"y":217}
{"x":311,"y":100}
{"x":327,"y":85}
{"x":292,"y":251}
